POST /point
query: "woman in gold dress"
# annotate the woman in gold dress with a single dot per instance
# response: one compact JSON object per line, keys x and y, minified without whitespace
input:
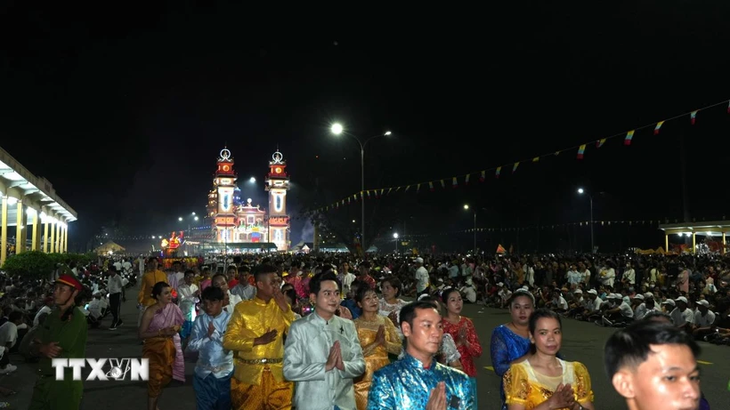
{"x":542,"y":381}
{"x":378,"y":337}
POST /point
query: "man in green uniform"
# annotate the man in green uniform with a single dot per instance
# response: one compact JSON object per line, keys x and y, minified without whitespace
{"x":62,"y":335}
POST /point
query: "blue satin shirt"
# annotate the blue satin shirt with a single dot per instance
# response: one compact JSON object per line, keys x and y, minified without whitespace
{"x":406,"y":384}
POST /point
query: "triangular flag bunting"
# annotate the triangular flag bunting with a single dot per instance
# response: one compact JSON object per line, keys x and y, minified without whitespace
{"x":658,"y":127}
{"x":466,"y":180}
{"x":693,"y":116}
{"x":600,"y":142}
{"x":514,"y":167}
{"x":430,"y":186}
{"x":497,"y":172}
{"x":629,"y":137}
{"x":581,"y":151}
{"x":454,"y":182}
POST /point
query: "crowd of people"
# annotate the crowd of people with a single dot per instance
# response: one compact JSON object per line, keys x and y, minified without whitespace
{"x":325,"y":331}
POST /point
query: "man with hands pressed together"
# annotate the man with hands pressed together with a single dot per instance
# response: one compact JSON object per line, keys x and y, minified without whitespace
{"x":323,"y":353}
{"x":255,"y":333}
{"x":61,"y":335}
{"x":418,"y":381}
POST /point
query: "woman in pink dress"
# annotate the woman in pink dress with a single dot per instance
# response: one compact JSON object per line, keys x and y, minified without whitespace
{"x":159,"y":329}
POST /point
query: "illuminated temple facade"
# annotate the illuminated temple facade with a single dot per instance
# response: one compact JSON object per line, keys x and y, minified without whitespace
{"x":239,"y":224}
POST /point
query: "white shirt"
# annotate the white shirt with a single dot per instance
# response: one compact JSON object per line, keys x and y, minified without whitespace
{"x":114,"y":284}
{"x":232,"y":302}
{"x":44,"y":310}
{"x":8,"y":334}
{"x":421,"y":279}
{"x":704,"y":321}
{"x":626,"y":310}
{"x":682,"y":318}
{"x":630,"y":276}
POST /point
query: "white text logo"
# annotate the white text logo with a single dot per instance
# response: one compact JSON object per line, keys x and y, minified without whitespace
{"x":104,"y":369}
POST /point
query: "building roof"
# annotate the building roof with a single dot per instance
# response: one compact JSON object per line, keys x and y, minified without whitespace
{"x":712,"y":228}
{"x":36,"y":192}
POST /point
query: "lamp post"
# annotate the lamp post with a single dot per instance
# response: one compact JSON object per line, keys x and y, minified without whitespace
{"x":590,"y":197}
{"x":338,"y":129}
{"x":395,"y":236}
{"x":466,"y":206}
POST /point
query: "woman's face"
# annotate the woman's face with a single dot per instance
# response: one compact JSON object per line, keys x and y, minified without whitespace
{"x":548,"y":336}
{"x":388,"y":291}
{"x":369,"y":302}
{"x":521,"y":309}
{"x":454,"y":304}
{"x":165,"y":296}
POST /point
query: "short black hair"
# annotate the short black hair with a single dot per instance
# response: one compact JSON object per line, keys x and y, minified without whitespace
{"x":315,"y":284}
{"x":262,"y":270}
{"x":408,"y":312}
{"x":222,"y":275}
{"x":362,"y":291}
{"x":212,"y":293}
{"x":630,"y":346}
{"x":394,"y":283}
{"x":541,"y":314}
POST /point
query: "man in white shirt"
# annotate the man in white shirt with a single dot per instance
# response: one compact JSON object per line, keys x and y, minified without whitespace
{"x":323,"y":354}
{"x":244,"y":289}
{"x":44,"y":311}
{"x":8,"y":337}
{"x":116,"y":292}
{"x":681,"y":316}
{"x":220,"y":280}
{"x":422,"y":279}
{"x":703,"y":320}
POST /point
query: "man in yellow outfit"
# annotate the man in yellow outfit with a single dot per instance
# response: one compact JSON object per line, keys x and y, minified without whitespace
{"x":255,"y":334}
{"x":152,"y":276}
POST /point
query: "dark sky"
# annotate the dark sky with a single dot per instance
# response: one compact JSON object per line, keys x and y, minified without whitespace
{"x":125,"y":110}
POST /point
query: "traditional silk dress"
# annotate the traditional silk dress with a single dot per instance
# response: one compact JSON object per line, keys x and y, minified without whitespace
{"x":164,"y":352}
{"x":376,"y":356}
{"x":258,"y":380}
{"x":407,"y":384}
{"x":506,"y":346}
{"x":307,"y":347}
{"x":524,"y":385}
{"x":187,"y":306}
{"x":468,"y":354}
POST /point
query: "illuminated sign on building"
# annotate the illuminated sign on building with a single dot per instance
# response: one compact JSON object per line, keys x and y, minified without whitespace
{"x":279,"y":220}
{"x":225,"y":199}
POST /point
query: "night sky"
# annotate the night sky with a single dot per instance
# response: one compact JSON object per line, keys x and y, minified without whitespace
{"x":125,"y":111}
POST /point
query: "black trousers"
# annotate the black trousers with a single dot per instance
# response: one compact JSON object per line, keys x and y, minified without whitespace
{"x":115,"y":305}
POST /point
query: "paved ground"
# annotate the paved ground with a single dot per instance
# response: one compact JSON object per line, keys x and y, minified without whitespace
{"x":582,"y":342}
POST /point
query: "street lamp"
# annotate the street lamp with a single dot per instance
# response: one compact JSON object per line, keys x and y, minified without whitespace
{"x":395,"y":236}
{"x":180,"y":219}
{"x":338,"y":129}
{"x":590,"y":197}
{"x":476,"y":210}
{"x":252,"y":180}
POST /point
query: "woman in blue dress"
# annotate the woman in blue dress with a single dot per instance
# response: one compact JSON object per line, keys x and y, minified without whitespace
{"x":512,"y":340}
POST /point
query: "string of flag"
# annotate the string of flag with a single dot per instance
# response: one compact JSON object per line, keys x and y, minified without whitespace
{"x":627,"y":137}
{"x":641,"y":223}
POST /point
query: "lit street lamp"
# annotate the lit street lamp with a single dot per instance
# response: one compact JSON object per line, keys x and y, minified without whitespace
{"x":338,"y":129}
{"x":466,"y":207}
{"x":395,"y":236}
{"x":583,"y":192}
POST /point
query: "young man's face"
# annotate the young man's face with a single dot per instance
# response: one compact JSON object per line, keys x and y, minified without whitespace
{"x":327,"y":301}
{"x":426,"y":333}
{"x":212,"y":307}
{"x":668,"y":379}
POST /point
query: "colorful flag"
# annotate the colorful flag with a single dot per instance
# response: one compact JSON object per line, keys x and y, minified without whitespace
{"x":693,"y":116}
{"x":454,"y":182}
{"x":514,"y":167}
{"x":600,"y":142}
{"x":430,"y":186}
{"x":536,"y":159}
{"x":466,"y":179}
{"x":418,"y":188}
{"x":629,"y":136}
{"x":443,"y":184}
{"x":658,"y":127}
{"x":496,"y":172}
{"x":483,"y":176}
{"x":581,"y":151}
